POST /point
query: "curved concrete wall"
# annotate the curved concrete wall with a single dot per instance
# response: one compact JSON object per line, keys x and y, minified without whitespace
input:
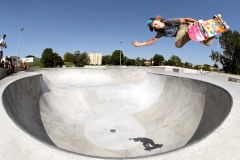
{"x":217,"y":106}
{"x":21,"y":101}
{"x":79,"y":117}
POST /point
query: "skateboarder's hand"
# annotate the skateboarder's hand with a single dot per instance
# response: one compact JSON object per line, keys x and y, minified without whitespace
{"x":136,"y":44}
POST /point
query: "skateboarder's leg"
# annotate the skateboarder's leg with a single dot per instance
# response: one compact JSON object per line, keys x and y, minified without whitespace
{"x":209,"y":41}
{"x":182,"y":36}
{"x":1,"y":54}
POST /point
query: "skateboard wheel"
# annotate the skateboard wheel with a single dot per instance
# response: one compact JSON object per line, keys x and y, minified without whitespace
{"x":219,"y":15}
{"x":227,"y":27}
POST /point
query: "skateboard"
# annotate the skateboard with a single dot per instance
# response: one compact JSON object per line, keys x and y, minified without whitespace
{"x":202,"y":30}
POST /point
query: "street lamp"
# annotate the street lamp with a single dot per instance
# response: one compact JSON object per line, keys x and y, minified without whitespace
{"x":120,"y":52}
{"x":21,"y":29}
{"x":218,"y":54}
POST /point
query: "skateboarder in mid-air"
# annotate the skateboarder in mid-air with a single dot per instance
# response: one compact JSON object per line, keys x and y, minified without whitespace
{"x":176,"y":27}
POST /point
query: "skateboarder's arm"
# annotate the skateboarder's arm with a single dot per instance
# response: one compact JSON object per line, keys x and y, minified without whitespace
{"x":186,"y":20}
{"x":3,"y":44}
{"x":149,"y":42}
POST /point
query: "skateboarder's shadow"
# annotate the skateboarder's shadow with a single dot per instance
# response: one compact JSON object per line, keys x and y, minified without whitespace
{"x":147,"y":143}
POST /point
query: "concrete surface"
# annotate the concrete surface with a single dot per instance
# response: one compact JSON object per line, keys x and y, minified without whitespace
{"x":92,"y":113}
{"x":3,"y":73}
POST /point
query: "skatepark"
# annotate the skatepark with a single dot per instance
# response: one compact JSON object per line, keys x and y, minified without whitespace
{"x":119,"y":113}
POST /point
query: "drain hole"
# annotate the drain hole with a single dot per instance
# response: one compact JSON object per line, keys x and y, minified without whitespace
{"x":113,"y":130}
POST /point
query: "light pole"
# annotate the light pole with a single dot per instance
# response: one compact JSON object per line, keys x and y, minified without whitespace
{"x":218,"y":55}
{"x":21,"y":29}
{"x":120,"y":53}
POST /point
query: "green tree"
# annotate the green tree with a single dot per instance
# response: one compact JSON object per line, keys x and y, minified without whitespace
{"x":215,"y":56}
{"x":230,"y":59}
{"x":215,"y":65}
{"x":68,"y":57}
{"x":187,"y":65}
{"x":138,"y":62}
{"x":158,"y":60}
{"x":143,"y":62}
{"x":115,"y":59}
{"x":81,"y":59}
{"x":106,"y":59}
{"x":197,"y":67}
{"x":206,"y":67}
{"x":58,"y":61}
{"x":174,"y":61}
{"x":129,"y":62}
{"x":50,"y":58}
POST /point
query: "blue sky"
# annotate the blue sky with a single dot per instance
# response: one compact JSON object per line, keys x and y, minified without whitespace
{"x":100,"y":26}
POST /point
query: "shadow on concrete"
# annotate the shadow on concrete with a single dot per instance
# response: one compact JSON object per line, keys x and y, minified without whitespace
{"x":148,"y":143}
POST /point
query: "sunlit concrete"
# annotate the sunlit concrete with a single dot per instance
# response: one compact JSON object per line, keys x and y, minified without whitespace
{"x":91,"y":113}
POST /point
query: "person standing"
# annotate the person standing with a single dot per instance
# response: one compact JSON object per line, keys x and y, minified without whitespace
{"x":3,"y":45}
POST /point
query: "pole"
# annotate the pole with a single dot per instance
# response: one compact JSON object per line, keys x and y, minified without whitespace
{"x":121,"y":53}
{"x":218,"y":54}
{"x":21,"y":29}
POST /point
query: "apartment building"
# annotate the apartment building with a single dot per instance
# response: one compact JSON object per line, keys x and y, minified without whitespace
{"x":95,"y":58}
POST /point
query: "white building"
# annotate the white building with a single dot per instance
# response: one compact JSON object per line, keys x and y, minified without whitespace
{"x":95,"y":58}
{"x":30,"y":59}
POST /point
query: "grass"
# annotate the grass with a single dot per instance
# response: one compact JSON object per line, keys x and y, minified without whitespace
{"x":69,"y":64}
{"x":35,"y":64}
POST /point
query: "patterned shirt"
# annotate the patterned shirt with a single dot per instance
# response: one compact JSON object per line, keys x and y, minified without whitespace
{"x":171,"y":28}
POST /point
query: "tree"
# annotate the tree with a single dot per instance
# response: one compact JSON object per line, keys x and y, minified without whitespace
{"x":197,"y":67}
{"x":138,"y":62}
{"x":215,"y":66}
{"x":68,"y":57}
{"x":187,"y":65}
{"x":206,"y":67}
{"x":174,"y":61}
{"x":215,"y":56}
{"x":230,"y":59}
{"x":51,"y":59}
{"x":81,"y":59}
{"x":106,"y":60}
{"x":129,"y":62}
{"x":158,"y":60}
{"x":115,"y":59}
{"x":143,"y":62}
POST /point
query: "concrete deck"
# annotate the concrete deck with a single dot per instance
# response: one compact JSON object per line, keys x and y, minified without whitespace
{"x":78,"y":114}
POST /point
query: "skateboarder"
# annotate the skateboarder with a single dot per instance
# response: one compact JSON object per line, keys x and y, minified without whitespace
{"x":176,"y":27}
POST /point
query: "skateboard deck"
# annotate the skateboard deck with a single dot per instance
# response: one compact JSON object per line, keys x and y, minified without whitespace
{"x":202,"y":30}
